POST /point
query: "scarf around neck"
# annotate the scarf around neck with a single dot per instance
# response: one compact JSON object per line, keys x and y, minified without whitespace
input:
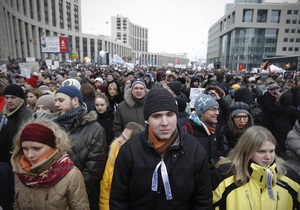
{"x":209,"y":129}
{"x":138,"y":102}
{"x":162,"y":146}
{"x":50,"y":177}
{"x":69,"y":118}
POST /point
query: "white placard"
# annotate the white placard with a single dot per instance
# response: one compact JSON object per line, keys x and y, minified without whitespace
{"x":194,"y":92}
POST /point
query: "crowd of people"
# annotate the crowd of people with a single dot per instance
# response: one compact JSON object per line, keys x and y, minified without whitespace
{"x":95,"y":137}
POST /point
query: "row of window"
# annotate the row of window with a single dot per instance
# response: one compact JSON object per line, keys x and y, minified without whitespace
{"x":291,"y":39}
{"x":292,"y":31}
{"x":262,"y":15}
{"x":290,"y":49}
{"x":294,"y":21}
{"x":294,"y":12}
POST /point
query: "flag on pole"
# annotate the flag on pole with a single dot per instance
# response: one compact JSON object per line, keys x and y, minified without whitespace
{"x":241,"y":67}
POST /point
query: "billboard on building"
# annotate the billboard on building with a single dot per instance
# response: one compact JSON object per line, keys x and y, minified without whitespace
{"x":54,"y":44}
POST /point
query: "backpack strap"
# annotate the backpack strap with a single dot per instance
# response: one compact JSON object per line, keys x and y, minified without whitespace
{"x":188,"y":128}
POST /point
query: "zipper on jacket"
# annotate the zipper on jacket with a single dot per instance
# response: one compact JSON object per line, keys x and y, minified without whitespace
{"x":277,"y":200}
{"x":248,"y":198}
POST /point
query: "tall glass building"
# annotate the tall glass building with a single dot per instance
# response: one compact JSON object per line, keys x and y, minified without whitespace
{"x":252,"y":30}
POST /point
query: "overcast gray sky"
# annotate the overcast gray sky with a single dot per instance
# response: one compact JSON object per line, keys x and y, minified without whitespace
{"x":174,"y":26}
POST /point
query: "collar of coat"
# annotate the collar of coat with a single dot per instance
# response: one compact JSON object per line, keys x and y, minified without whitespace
{"x":128,"y":97}
{"x":8,"y":113}
{"x":259,"y":173}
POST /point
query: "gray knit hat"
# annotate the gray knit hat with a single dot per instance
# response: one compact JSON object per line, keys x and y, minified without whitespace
{"x":159,"y":99}
{"x":48,"y":101}
{"x":204,"y":102}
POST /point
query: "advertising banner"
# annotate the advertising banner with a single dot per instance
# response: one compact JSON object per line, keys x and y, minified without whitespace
{"x":54,"y":44}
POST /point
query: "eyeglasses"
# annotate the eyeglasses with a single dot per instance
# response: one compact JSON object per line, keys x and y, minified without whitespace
{"x":244,"y":117}
{"x":214,"y":109}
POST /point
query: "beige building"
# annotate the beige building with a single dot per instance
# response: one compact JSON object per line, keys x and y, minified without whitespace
{"x":252,"y":31}
{"x":24,"y":22}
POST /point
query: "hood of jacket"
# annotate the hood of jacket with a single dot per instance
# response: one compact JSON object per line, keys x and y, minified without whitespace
{"x":113,"y":152}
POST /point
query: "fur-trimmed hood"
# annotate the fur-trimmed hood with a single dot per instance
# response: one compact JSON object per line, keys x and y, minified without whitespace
{"x":128,"y":97}
{"x":62,"y":145}
{"x":113,"y":151}
{"x":89,"y":117}
{"x":171,"y":75}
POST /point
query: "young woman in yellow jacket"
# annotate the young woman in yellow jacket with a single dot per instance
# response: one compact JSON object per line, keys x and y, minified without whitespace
{"x":252,"y":177}
{"x":131,"y":129}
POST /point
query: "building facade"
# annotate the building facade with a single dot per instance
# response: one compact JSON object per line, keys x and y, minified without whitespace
{"x":129,"y":33}
{"x":250,"y":32}
{"x":24,"y":22}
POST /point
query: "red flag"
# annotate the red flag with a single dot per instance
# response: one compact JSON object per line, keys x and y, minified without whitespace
{"x":241,"y":67}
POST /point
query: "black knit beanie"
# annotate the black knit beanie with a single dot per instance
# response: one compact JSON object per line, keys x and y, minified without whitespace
{"x":14,"y":90}
{"x":243,"y":94}
{"x":175,"y":86}
{"x":159,"y":99}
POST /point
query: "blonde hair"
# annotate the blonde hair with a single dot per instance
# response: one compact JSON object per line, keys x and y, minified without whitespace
{"x":62,"y":139}
{"x":240,"y":156}
{"x":112,"y":85}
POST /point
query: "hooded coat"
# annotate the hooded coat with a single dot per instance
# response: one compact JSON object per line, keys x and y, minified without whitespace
{"x":226,"y":138}
{"x":105,"y":184}
{"x":67,"y":193}
{"x":129,"y":110}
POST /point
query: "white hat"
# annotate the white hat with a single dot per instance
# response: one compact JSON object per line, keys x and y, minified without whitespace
{"x":71,"y":81}
{"x":99,"y":79}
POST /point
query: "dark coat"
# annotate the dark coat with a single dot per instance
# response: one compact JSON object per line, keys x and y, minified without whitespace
{"x":182,"y":118}
{"x":285,"y":119}
{"x":15,"y":120}
{"x":208,"y":141}
{"x":187,"y":171}
{"x":106,"y":120}
{"x":6,"y":186}
{"x":269,"y":108}
{"x":88,"y":153}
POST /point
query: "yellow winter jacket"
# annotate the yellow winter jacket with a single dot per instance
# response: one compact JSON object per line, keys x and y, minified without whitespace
{"x":254,"y":195}
{"x":105,"y":184}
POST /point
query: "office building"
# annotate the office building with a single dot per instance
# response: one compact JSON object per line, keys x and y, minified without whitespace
{"x":251,"y":31}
